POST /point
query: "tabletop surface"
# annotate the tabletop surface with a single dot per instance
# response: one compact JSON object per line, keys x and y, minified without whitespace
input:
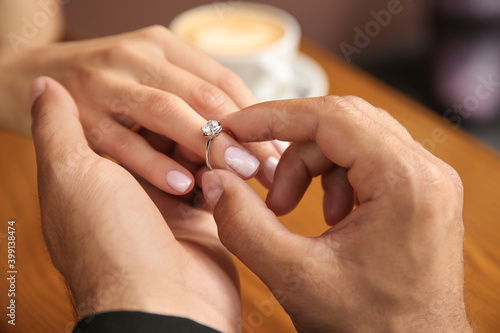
{"x":42,"y":304}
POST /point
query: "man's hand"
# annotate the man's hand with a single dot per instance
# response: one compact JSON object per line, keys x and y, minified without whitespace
{"x":114,"y":246}
{"x":394,"y":263}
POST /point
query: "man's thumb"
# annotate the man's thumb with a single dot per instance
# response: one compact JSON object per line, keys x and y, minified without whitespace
{"x":248,"y":228}
{"x":57,"y":132}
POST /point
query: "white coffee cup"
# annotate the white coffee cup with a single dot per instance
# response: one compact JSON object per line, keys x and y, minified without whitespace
{"x":258,"y":42}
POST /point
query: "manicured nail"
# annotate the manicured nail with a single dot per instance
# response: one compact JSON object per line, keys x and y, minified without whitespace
{"x":37,"y":87}
{"x":270,"y":168}
{"x":281,"y":146}
{"x":212,"y":188}
{"x":178,"y":181}
{"x":241,"y":161}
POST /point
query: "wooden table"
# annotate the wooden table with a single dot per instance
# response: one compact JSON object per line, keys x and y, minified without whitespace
{"x":41,"y":301}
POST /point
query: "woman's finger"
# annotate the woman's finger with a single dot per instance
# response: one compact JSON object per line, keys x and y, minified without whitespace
{"x":168,"y":115}
{"x":198,"y":63}
{"x":152,"y":69}
{"x":137,"y":155}
{"x":211,"y":103}
{"x":159,"y":142}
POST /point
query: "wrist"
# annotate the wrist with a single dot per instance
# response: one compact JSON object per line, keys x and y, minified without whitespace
{"x":122,"y":292}
{"x":454,"y":321}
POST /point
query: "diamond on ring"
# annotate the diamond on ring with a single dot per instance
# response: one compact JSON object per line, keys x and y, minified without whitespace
{"x":211,"y":129}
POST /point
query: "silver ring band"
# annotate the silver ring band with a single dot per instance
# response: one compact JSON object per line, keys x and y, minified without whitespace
{"x":207,"y":155}
{"x":210,"y":130}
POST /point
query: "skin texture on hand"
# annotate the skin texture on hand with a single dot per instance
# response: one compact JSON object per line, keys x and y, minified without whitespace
{"x":394,"y":263}
{"x":147,"y":77}
{"x":120,"y":245}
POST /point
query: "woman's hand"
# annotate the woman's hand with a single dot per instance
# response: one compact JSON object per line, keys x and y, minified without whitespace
{"x":147,"y":77}
{"x":117,"y":247}
{"x":394,"y":263}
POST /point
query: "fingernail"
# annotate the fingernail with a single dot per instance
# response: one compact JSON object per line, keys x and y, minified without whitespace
{"x":241,"y":161}
{"x":270,"y":168}
{"x":178,"y":181}
{"x":212,"y":188}
{"x":37,"y":87}
{"x":281,"y":146}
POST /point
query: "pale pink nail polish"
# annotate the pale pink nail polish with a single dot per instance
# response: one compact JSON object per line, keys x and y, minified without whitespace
{"x":241,"y":161}
{"x":281,"y":146}
{"x":270,"y":168}
{"x":178,"y":181}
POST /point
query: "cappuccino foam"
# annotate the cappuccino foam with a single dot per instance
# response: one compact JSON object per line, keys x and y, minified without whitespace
{"x":235,"y":34}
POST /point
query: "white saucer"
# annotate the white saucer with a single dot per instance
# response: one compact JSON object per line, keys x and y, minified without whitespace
{"x":310,"y":78}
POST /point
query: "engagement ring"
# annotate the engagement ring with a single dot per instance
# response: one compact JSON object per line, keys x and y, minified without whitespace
{"x":210,"y":130}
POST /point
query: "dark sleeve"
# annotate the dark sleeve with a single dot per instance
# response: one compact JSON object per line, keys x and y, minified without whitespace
{"x":128,"y":321}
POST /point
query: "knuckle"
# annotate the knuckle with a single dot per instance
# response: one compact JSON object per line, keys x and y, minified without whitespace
{"x":208,"y":97}
{"x":86,"y":73}
{"x":346,"y":103}
{"x":454,"y":178}
{"x":437,"y":175}
{"x":156,"y":31}
{"x":228,"y":80}
{"x":436,"y":183}
{"x":162,"y":106}
{"x":95,"y":137}
{"x":122,"y":45}
{"x":122,"y":144}
{"x":356,"y":101}
{"x":430,"y":175}
{"x":333,"y":102}
{"x":119,"y":51}
{"x":440,"y":197}
{"x":337,"y":106}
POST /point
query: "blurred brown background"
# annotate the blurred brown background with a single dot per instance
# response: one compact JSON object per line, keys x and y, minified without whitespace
{"x":324,"y":21}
